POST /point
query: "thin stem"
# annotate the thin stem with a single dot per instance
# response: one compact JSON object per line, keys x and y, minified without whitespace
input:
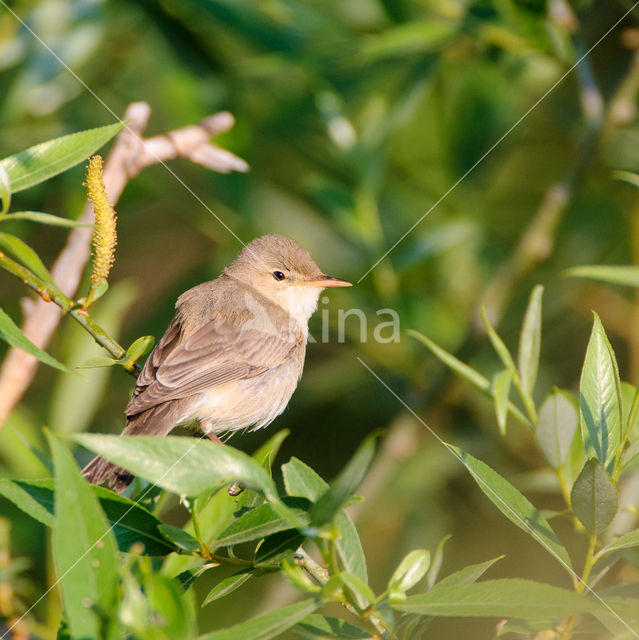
{"x":50,"y":293}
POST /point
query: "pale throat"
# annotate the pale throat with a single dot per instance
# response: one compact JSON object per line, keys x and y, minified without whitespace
{"x":301,"y":303}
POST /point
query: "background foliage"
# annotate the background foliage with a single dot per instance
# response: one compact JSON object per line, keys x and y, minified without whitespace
{"x":356,"y":118}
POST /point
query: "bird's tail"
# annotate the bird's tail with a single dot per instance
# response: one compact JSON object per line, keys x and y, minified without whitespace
{"x":157,"y":421}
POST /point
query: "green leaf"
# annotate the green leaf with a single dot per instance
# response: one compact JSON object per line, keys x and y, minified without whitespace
{"x":357,"y":587}
{"x":97,"y":363}
{"x":600,"y":397}
{"x":278,"y":546}
{"x":139,"y":348}
{"x":498,"y":344}
{"x":556,"y":427}
{"x":45,"y":160}
{"x":626,"y":541}
{"x":260,"y":522}
{"x":318,"y":627}
{"x":43,"y":218}
{"x":514,"y":505}
{"x":506,"y":598}
{"x":266,"y":626}
{"x":179,"y":537}
{"x":5,"y":192}
{"x":325,"y":509}
{"x":187,"y":466}
{"x":132,"y":524}
{"x":26,"y":255}
{"x":298,"y":577}
{"x":466,"y":372}
{"x":10,"y":333}
{"x":84,"y":550}
{"x":501,"y":387}
{"x":230,"y":584}
{"x":170,"y":609}
{"x":530,"y":342}
{"x":409,"y":572}
{"x":468,"y":574}
{"x":438,"y":559}
{"x":35,"y":498}
{"x":623,"y":275}
{"x":593,"y":497}
{"x":301,"y":480}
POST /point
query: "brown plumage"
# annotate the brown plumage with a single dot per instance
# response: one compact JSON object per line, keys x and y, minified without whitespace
{"x":234,"y":352}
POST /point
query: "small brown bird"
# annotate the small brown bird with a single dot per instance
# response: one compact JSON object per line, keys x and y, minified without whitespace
{"x":234,"y":352}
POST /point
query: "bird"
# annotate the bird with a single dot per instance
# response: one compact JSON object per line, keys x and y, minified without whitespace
{"x":233,"y":354}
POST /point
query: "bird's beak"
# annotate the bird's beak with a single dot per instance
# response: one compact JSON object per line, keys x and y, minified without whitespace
{"x":322,"y":282}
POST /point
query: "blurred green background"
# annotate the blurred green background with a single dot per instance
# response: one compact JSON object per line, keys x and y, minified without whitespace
{"x":357,"y":117}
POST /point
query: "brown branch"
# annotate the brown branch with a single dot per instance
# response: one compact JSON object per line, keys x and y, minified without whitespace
{"x":130,"y":154}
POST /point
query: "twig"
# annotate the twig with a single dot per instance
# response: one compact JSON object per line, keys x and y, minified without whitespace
{"x":130,"y":154}
{"x":49,"y":294}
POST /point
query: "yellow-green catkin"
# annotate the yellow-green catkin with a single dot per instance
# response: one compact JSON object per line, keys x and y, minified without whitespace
{"x":104,"y":234}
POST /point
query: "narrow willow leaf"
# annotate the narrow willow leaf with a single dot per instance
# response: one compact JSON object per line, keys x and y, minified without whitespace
{"x":556,"y":427}
{"x":35,"y":498}
{"x":474,"y":377}
{"x":45,"y":160}
{"x":26,"y":255}
{"x":187,"y":466}
{"x":624,"y":275}
{"x":10,"y":333}
{"x":468,"y":574}
{"x":498,"y":344}
{"x":626,"y":541}
{"x":230,"y":584}
{"x":260,"y":522}
{"x":266,"y":626}
{"x":278,"y":546}
{"x":629,"y":412}
{"x":593,"y":497}
{"x":410,"y":571}
{"x":84,"y":550}
{"x":438,"y":559}
{"x":506,"y":598}
{"x":530,"y":342}
{"x":341,"y":489}
{"x":301,"y":480}
{"x":179,"y":538}
{"x":466,"y":372}
{"x":600,"y":397}
{"x":318,"y":627}
{"x":514,"y":505}
{"x":5,"y":192}
{"x":43,"y":218}
{"x":501,"y":391}
{"x":97,"y":363}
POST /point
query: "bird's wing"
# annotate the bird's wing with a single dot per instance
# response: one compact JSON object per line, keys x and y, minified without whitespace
{"x":215,"y":354}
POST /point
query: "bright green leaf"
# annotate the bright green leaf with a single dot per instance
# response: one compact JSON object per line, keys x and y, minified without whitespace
{"x":230,"y":583}
{"x":468,"y":574}
{"x":498,"y":344}
{"x":179,"y":537}
{"x":507,"y":598}
{"x":84,"y":550}
{"x":10,"y":333}
{"x":43,"y":218}
{"x":623,"y":275}
{"x":278,"y":546}
{"x":530,"y":342}
{"x":97,"y":363}
{"x":357,"y":587}
{"x":438,"y":559}
{"x":26,"y":255}
{"x":410,"y":571}
{"x":139,"y":348}
{"x":45,"y":160}
{"x":593,"y":497}
{"x":5,"y":192}
{"x":268,"y":625}
{"x":600,"y":397}
{"x":514,"y":505}
{"x":318,"y":627}
{"x":187,"y":466}
{"x":556,"y":426}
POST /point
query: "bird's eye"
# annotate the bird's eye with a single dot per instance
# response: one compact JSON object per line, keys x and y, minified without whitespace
{"x":278,"y":275}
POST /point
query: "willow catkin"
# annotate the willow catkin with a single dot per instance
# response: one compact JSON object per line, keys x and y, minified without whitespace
{"x":104,"y":234}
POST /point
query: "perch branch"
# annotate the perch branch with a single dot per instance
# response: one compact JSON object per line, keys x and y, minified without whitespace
{"x":130,"y":154}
